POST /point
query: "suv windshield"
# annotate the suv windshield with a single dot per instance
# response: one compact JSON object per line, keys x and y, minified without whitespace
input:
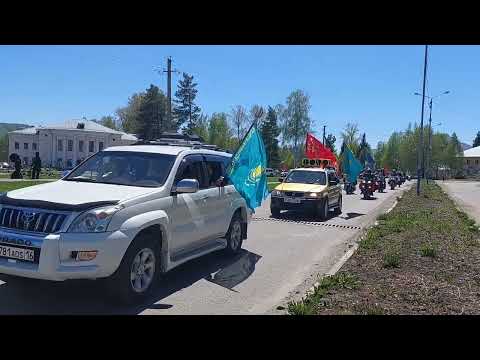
{"x":124,"y":168}
{"x":306,"y":177}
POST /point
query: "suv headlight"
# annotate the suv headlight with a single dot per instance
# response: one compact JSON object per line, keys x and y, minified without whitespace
{"x":95,"y":220}
{"x":276,"y":193}
{"x":313,"y":194}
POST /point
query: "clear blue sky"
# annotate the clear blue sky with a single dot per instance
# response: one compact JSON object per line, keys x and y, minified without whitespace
{"x":370,"y":85}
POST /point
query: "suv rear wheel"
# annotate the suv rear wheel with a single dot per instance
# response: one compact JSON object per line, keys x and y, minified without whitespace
{"x":338,"y":208}
{"x":235,"y":235}
{"x":140,"y":268}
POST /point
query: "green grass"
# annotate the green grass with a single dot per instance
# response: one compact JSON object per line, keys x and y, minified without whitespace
{"x":272,"y":185}
{"x":428,"y":250}
{"x":14,"y":185}
{"x":310,"y":304}
{"x":391,"y":259}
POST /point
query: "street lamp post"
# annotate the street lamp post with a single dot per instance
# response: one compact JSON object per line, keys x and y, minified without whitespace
{"x":429,"y":152}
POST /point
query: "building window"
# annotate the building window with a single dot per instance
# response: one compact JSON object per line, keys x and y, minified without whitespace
{"x":100,"y":146}
{"x":70,"y":145}
{"x":59,"y":145}
{"x":17,"y":146}
{"x":25,"y":146}
{"x":476,"y":162}
{"x":91,"y":146}
{"x":468,"y":162}
{"x":34,"y":146}
{"x":80,"y":146}
{"x":60,"y":163}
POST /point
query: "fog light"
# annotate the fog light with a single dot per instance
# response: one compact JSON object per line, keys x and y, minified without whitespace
{"x":86,"y":255}
{"x":313,"y":195}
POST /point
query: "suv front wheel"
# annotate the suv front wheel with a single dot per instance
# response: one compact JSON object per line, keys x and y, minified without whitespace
{"x":140,"y":267}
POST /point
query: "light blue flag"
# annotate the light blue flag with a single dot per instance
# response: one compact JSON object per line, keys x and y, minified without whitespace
{"x":247,"y":169}
{"x":351,"y":166}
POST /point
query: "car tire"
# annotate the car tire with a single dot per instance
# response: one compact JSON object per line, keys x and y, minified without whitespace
{"x":235,"y":235}
{"x":275,"y":211}
{"x":323,"y":210}
{"x":338,"y":209}
{"x":143,"y":257}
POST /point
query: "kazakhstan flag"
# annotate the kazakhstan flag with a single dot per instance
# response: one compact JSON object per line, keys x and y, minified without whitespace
{"x":247,"y":169}
{"x":351,"y":166}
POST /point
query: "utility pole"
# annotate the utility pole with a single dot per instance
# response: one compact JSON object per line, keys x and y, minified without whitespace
{"x":324,"y":126}
{"x":420,"y":157}
{"x":429,"y":152}
{"x":169,"y":72}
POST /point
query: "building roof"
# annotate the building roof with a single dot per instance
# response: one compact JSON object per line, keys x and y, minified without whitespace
{"x":77,"y":125}
{"x":28,"y":131}
{"x":473,"y":152}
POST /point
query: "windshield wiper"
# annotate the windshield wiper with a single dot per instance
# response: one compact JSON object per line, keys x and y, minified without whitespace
{"x":80,"y":179}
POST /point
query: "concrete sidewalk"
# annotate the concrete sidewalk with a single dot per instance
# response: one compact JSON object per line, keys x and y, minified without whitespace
{"x":466,"y":194}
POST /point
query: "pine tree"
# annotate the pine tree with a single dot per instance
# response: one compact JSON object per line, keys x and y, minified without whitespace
{"x":152,"y":117}
{"x":476,"y":142}
{"x":186,"y":112}
{"x":270,"y":132}
{"x":363,"y":149}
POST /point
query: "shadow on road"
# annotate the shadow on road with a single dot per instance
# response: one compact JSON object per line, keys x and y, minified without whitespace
{"x":351,"y":215}
{"x":27,"y":296}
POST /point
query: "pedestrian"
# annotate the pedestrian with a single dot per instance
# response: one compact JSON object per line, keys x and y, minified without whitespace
{"x":36,"y":166}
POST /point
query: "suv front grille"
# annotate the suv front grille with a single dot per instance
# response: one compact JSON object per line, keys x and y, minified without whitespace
{"x":40,"y":221}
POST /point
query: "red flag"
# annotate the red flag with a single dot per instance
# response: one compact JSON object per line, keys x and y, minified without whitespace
{"x":314,"y":149}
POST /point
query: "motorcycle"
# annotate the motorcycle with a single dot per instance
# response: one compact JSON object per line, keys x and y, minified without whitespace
{"x":367,"y":188}
{"x":349,"y":188}
{"x":381,"y":184}
{"x":392,"y":183}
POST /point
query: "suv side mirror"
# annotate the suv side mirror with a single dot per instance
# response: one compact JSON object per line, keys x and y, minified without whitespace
{"x":187,"y":186}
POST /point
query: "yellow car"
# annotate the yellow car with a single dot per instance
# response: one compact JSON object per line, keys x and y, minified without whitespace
{"x":313,"y":190}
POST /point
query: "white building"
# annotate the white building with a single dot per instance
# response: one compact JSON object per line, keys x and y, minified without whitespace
{"x":63,"y":146}
{"x":471,"y":160}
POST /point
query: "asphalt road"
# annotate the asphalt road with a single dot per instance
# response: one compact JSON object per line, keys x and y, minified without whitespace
{"x":466,"y":194}
{"x":280,"y":260}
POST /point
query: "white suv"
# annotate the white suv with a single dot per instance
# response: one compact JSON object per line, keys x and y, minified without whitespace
{"x":128,"y":213}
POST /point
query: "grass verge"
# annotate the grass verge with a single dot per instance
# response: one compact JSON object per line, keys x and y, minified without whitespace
{"x":14,"y":185}
{"x":422,"y":258}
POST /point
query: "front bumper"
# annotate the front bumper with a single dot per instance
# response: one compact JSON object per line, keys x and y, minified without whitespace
{"x":55,"y":261}
{"x":305,"y":204}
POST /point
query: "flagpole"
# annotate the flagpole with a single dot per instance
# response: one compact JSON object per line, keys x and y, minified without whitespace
{"x":254,"y":123}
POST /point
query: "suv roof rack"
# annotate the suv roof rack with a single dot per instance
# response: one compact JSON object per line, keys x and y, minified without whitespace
{"x":184,"y":140}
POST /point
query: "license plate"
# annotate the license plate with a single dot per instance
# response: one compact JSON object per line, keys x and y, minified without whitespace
{"x":17,"y":253}
{"x":292,"y":200}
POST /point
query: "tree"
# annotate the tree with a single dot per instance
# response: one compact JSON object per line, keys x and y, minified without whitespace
{"x":218,"y":131}
{"x":108,"y":121}
{"x":330,"y":142}
{"x":186,"y":111}
{"x":379,"y":154}
{"x":257,"y":113}
{"x":270,"y":131}
{"x":128,"y":115}
{"x":297,"y":121}
{"x":4,"y":148}
{"x":476,"y":141}
{"x":152,"y":119}
{"x":239,"y":120}
{"x":350,"y":137}
{"x":363,"y":150}
{"x":201,"y":128}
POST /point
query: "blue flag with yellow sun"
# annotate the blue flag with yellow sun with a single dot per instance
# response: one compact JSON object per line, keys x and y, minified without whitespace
{"x":247,"y":169}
